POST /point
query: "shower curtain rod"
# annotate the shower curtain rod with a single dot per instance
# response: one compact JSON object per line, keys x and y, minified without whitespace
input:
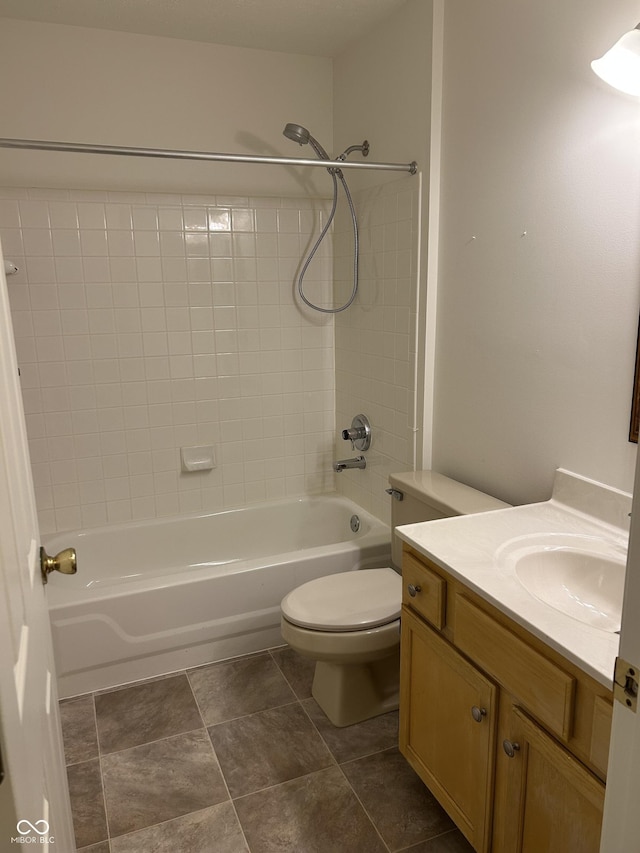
{"x":167,"y":153}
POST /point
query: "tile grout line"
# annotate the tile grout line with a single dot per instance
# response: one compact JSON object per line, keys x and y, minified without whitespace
{"x":369,"y":818}
{"x":152,"y":825}
{"x":213,"y":750}
{"x":433,"y":838}
{"x":104,"y":796}
{"x":279,"y":784}
{"x":150,"y":742}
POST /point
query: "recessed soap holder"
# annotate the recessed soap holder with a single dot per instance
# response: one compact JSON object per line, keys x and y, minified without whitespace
{"x":359,"y":434}
{"x":199,"y":458}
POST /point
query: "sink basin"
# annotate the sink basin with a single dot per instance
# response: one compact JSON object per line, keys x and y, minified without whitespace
{"x":582,"y":577}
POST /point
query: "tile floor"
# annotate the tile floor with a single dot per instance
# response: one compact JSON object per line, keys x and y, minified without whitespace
{"x":234,"y":757}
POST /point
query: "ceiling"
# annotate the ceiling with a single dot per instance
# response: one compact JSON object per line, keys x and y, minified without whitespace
{"x":315,"y":27}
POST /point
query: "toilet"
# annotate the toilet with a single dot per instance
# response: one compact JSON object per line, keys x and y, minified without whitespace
{"x":349,"y":622}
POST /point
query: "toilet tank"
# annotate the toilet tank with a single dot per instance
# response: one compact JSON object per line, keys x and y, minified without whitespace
{"x":426,"y":496}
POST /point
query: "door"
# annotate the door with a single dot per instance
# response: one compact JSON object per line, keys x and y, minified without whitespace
{"x":553,"y":803}
{"x":447,"y":727}
{"x":34,"y":798}
{"x":620,"y":826}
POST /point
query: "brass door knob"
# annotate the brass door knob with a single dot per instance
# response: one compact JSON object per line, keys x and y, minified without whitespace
{"x":64,"y":562}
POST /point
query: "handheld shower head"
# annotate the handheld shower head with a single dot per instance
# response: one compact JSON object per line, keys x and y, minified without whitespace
{"x":300,"y":134}
{"x":296,"y":133}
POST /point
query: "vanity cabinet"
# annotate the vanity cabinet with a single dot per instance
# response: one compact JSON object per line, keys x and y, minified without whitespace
{"x":510,"y":737}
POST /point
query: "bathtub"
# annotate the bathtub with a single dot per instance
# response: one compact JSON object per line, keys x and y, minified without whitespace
{"x":161,"y":595}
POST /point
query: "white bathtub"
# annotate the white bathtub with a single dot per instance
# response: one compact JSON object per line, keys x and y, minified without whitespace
{"x":161,"y":595}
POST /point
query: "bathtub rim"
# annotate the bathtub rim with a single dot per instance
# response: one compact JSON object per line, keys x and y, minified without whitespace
{"x":60,"y":594}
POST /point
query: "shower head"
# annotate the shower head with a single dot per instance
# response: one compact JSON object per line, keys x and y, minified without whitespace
{"x":297,"y":133}
{"x":300,"y":134}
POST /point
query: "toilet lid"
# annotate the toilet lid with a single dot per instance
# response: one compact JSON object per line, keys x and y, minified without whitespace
{"x":348,"y":601}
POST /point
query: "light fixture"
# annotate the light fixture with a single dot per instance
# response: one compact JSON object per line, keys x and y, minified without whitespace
{"x":620,"y":65}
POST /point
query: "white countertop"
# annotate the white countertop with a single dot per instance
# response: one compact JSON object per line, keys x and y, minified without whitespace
{"x":466,"y":547}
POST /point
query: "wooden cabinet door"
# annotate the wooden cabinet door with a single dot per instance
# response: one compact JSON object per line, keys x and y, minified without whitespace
{"x":550,"y":801}
{"x":452,"y":752}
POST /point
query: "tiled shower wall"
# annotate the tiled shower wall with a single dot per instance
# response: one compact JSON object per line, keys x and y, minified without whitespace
{"x":375,"y":348}
{"x":147,"y":322}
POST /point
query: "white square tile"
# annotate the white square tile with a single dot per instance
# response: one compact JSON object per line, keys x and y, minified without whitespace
{"x":147,"y":243}
{"x":199,"y":270}
{"x":195,"y":219}
{"x":122,"y":270}
{"x":120,"y":243}
{"x":219,"y":219}
{"x":170,"y":219}
{"x":96,"y":269}
{"x":91,"y":215}
{"x":172,"y":244}
{"x":151,"y":294}
{"x":34,"y":214}
{"x":36,"y":241}
{"x":93,"y":243}
{"x":118,"y":216}
{"x":9,"y":213}
{"x":148,"y":269}
{"x":145,"y":218}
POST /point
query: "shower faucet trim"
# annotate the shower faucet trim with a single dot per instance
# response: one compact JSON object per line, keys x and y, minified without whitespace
{"x":359,"y":434}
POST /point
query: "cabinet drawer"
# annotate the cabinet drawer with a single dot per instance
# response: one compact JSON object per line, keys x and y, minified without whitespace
{"x":537,"y":682}
{"x":430,"y":590}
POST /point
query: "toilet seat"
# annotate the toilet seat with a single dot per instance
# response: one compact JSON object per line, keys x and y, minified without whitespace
{"x":348,"y":601}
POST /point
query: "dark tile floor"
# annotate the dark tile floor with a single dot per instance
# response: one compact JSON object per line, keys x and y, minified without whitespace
{"x":236,"y":757}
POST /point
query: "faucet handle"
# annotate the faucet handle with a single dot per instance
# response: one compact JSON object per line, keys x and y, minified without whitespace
{"x":359,"y":433}
{"x":353,"y":435}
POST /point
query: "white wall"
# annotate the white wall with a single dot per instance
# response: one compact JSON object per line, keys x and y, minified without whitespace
{"x":538,"y":291}
{"x":381,"y":92}
{"x":82,"y":85}
{"x":382,"y":87}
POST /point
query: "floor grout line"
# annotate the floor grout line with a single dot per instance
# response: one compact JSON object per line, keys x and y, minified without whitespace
{"x":369,"y":818}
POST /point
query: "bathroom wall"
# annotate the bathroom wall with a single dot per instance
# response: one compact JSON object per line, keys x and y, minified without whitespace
{"x":538,"y":292}
{"x":147,"y":322}
{"x":83,"y":85}
{"x":382,"y":91}
{"x":375,"y":339}
{"x":154,"y":304}
{"x":111,"y":304}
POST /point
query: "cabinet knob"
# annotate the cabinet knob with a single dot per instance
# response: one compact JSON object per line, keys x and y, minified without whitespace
{"x":478,"y":714}
{"x":414,"y":589}
{"x":510,"y":747}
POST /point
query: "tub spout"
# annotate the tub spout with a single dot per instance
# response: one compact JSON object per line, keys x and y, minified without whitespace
{"x":356,"y":462}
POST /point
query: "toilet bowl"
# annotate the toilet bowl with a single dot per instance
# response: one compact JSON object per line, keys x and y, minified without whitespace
{"x":349,"y":622}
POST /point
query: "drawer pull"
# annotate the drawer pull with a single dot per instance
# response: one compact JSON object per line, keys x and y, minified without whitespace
{"x":478,"y":714}
{"x":510,"y":748}
{"x":414,"y":589}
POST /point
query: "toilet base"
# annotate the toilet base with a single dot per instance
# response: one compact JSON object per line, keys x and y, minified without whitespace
{"x":351,"y":693}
